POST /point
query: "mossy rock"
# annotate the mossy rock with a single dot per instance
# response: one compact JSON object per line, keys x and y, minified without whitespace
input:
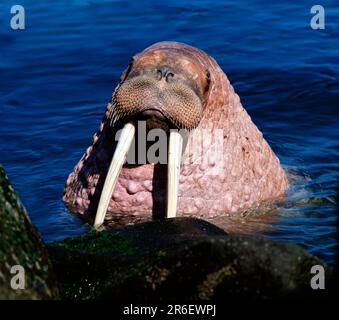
{"x":140,"y":238}
{"x":96,"y":242}
{"x":20,"y":244}
{"x":181,"y":258}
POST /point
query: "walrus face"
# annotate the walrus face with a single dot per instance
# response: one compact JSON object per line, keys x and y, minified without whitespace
{"x":166,"y":90}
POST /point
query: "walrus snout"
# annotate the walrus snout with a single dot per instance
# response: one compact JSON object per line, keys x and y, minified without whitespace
{"x":164,"y":87}
{"x":176,"y":100}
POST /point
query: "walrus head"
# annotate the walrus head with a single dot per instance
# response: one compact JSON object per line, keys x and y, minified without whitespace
{"x":172,"y":86}
{"x":162,"y":86}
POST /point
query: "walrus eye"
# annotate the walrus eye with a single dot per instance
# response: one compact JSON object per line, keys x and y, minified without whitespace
{"x":208,"y":80}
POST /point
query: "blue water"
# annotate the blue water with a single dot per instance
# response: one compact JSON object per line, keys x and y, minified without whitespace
{"x":57,"y":75}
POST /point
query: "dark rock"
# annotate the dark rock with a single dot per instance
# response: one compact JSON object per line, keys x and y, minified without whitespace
{"x":20,"y":244}
{"x":181,"y":258}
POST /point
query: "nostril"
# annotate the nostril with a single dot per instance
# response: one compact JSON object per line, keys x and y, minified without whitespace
{"x":159,"y":74}
{"x":169,"y":76}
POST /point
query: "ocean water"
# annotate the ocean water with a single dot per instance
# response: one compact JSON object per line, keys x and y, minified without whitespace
{"x":57,"y":75}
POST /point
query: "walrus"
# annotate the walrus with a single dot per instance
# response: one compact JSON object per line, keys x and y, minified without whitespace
{"x":181,"y":90}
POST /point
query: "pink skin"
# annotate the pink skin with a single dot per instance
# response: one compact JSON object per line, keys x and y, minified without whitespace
{"x":250,"y":174}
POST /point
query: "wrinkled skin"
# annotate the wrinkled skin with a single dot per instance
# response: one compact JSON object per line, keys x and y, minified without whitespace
{"x":173,"y":85}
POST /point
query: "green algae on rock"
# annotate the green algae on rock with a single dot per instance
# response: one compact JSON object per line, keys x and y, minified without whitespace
{"x":20,"y":244}
{"x":97,"y":242}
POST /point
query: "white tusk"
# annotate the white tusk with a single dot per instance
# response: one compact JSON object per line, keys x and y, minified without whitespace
{"x":173,"y":172}
{"x":119,"y":158}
